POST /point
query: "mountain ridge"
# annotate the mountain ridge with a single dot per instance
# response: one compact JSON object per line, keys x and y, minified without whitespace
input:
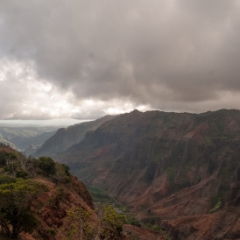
{"x":66,"y":137}
{"x":168,"y":165}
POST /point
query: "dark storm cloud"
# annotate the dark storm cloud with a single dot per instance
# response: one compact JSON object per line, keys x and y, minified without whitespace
{"x":162,"y":53}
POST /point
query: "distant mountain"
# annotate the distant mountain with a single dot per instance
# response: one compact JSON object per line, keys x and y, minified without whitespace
{"x":23,"y":137}
{"x":66,"y":137}
{"x":178,"y":170}
{"x":4,"y":141}
{"x":39,"y":140}
{"x":30,"y":150}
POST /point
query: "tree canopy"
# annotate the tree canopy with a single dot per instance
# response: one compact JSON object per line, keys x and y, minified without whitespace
{"x":15,"y":205}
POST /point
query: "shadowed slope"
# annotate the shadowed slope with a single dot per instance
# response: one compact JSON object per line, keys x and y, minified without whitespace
{"x":66,"y":137}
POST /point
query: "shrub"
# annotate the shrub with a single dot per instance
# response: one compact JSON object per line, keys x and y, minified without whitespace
{"x":112,"y":218}
{"x":15,"y":206}
{"x":47,"y":165}
{"x":62,"y":173}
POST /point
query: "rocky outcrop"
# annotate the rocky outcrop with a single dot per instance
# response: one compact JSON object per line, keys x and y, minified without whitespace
{"x":176,"y":166}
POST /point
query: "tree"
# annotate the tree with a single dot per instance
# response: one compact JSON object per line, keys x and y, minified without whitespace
{"x":79,"y":224}
{"x":16,"y":198}
{"x":13,"y":163}
{"x":112,"y":218}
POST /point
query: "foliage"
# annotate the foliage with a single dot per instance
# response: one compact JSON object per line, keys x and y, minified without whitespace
{"x":10,"y":163}
{"x":112,"y":218}
{"x":100,"y":195}
{"x":156,"y":228}
{"x":51,"y":232}
{"x":62,"y":173}
{"x":46,"y":164}
{"x":19,"y":193}
{"x":78,"y":224}
{"x":132,"y":221}
{"x":15,"y":206}
{"x":217,"y":206}
{"x":6,"y":179}
{"x":20,"y":166}
{"x":153,"y":227}
{"x":14,"y":163}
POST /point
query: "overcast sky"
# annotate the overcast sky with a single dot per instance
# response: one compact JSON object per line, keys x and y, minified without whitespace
{"x":86,"y":58}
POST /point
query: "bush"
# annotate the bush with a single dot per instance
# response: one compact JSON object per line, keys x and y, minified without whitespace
{"x":133,"y":221}
{"x":112,"y":218}
{"x":21,"y":174}
{"x":6,"y":179}
{"x":47,"y":165}
{"x":62,"y":173}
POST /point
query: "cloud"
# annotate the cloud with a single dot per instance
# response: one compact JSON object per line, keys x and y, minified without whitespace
{"x":24,"y":96}
{"x":180,"y":55}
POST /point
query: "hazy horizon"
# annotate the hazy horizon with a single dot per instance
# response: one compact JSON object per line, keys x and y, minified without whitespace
{"x":41,"y":123}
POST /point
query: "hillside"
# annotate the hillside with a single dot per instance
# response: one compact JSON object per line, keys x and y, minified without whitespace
{"x":40,"y":199}
{"x":178,"y":170}
{"x":66,"y":137}
{"x":41,"y":193}
{"x":22,"y":137}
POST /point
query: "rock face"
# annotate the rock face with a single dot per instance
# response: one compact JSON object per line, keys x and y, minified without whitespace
{"x":66,"y":137}
{"x":173,"y":168}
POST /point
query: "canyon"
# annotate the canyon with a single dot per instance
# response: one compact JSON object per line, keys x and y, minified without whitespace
{"x":178,"y":170}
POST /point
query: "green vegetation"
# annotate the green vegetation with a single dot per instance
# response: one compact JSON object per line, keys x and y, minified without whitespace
{"x":18,"y":190}
{"x":46,"y":164}
{"x":112,"y":220}
{"x":62,"y":173}
{"x":15,"y":206}
{"x":153,"y":226}
{"x":132,"y":220}
{"x":217,"y":206}
{"x":79,"y":225}
{"x":100,"y":195}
